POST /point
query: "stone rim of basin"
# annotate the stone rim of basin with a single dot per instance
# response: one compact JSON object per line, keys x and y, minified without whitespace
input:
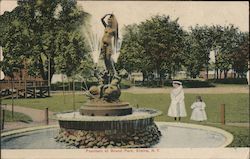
{"x":228,"y":136}
{"x":138,"y":113}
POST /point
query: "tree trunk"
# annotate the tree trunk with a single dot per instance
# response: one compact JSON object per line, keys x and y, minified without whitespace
{"x":238,"y":75}
{"x":52,"y":68}
{"x":41,"y":68}
{"x":234,"y":74}
{"x":207,"y":72}
{"x":217,"y":73}
{"x":170,"y":75}
{"x":225,"y":74}
{"x":143,"y":77}
{"x":161,"y":79}
{"x":147,"y":80}
{"x":157,"y":75}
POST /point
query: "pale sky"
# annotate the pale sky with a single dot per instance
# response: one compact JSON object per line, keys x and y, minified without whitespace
{"x":189,"y":13}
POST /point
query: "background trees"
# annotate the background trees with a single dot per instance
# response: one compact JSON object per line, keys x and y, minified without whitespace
{"x":153,"y":45}
{"x":46,"y":32}
{"x":162,"y":40}
{"x":43,"y":32}
{"x":160,"y":44}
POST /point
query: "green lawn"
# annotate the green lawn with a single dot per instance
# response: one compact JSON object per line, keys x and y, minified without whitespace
{"x":17,"y":117}
{"x":237,"y":105}
{"x":237,"y":108}
{"x":55,"y":103}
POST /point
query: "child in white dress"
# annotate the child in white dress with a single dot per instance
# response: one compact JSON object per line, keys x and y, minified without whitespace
{"x":198,"y":113}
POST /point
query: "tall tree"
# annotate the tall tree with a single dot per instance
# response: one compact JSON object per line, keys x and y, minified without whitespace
{"x":132,"y":56}
{"x":193,"y":56}
{"x":162,"y":40}
{"x":205,"y":42}
{"x":43,"y":22}
{"x":240,"y":55}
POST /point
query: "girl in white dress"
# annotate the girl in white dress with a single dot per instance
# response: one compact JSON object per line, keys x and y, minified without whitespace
{"x":198,"y":113}
{"x":177,"y":106}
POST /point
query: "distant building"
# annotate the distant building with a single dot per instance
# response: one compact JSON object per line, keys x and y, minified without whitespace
{"x":136,"y":76}
{"x":180,"y":75}
{"x":58,"y":78}
{"x":212,"y":74}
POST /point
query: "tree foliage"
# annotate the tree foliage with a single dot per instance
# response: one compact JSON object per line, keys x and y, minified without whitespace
{"x":160,"y":44}
{"x":43,"y":30}
{"x":153,"y":45}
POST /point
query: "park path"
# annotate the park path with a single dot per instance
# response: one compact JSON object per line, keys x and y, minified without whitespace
{"x":38,"y":117}
{"x":35,"y":114}
{"x":212,"y":90}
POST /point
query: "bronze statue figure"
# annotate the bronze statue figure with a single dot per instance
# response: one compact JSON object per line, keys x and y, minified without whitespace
{"x":109,"y":42}
{"x":109,"y":80}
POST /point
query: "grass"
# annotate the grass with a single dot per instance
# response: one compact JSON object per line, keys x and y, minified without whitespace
{"x":237,"y":109}
{"x":17,"y":117}
{"x":241,"y":134}
{"x":55,"y":103}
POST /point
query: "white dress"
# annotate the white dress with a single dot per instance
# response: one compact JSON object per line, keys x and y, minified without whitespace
{"x":198,"y":113}
{"x":177,"y":106}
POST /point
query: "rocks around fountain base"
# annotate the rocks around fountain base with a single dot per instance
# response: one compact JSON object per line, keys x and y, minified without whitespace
{"x":142,"y":138}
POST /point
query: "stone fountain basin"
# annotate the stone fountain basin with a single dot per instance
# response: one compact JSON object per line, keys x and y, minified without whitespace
{"x":139,"y":119}
{"x":174,"y":135}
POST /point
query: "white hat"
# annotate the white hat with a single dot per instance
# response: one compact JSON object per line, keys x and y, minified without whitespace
{"x":177,"y":82}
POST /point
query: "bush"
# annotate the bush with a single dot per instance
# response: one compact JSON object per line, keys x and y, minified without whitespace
{"x":229,"y":81}
{"x":78,"y":85}
{"x":196,"y":84}
{"x":125,"y":84}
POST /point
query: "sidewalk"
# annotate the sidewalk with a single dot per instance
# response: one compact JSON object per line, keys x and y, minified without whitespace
{"x":212,"y":90}
{"x":37,"y":116}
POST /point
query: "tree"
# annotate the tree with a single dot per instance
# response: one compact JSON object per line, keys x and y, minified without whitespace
{"x":38,"y":25}
{"x":132,"y":54}
{"x":205,"y":42}
{"x":193,"y":56}
{"x":240,"y":56}
{"x":71,"y":51}
{"x":227,"y":44}
{"x":162,"y":40}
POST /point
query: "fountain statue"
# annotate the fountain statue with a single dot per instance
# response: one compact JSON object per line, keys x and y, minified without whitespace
{"x":105,"y":121}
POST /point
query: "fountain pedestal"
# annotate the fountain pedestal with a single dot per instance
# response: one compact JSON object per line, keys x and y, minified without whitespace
{"x":106,"y":109}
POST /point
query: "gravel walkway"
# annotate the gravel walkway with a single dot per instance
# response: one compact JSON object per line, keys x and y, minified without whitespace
{"x":35,"y":114}
{"x":38,"y":117}
{"x":212,"y":90}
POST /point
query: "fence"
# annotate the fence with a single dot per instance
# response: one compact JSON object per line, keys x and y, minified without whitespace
{"x":26,"y":88}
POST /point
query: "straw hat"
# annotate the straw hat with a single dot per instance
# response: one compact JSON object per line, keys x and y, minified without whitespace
{"x":177,"y":82}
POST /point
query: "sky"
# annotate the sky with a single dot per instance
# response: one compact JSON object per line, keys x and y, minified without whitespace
{"x":189,"y":13}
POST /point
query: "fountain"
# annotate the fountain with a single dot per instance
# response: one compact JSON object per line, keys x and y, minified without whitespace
{"x":105,"y":121}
